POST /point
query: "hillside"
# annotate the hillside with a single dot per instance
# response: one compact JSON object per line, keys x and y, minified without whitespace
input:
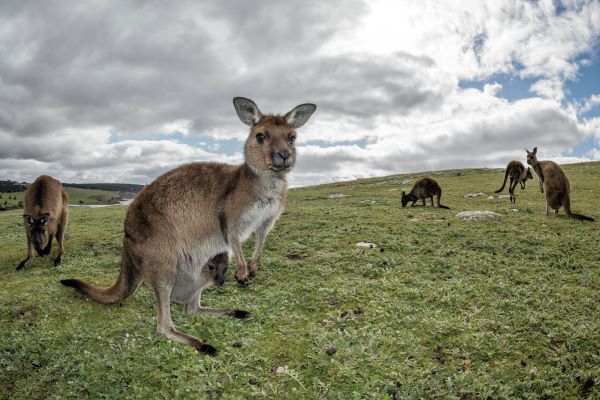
{"x":502,"y":308}
{"x":108,"y":187}
{"x":84,"y":195}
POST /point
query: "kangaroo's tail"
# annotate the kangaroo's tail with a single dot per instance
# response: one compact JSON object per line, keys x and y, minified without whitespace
{"x":439,"y":197}
{"x":567,"y":207}
{"x":126,"y":284}
{"x":503,"y":183}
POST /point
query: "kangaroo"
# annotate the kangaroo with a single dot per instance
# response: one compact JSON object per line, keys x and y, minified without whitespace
{"x":186,"y":216}
{"x":422,"y":189}
{"x":555,"y":183}
{"x":518,"y":174}
{"x":45,"y":215}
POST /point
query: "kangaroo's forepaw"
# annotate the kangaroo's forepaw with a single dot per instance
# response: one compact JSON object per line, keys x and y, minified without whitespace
{"x":242,"y":279}
{"x":57,"y":261}
{"x":252,"y":268}
{"x":22,"y":265}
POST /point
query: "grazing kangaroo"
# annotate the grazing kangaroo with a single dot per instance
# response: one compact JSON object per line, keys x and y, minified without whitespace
{"x":177,"y":223}
{"x":518,"y":174}
{"x":554,"y":182}
{"x":45,"y":215}
{"x":423,"y":188}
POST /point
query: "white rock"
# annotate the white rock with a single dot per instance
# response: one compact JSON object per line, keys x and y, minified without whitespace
{"x":477,"y":215}
{"x":366,"y":244}
{"x":479,"y":194}
{"x":337,"y":195}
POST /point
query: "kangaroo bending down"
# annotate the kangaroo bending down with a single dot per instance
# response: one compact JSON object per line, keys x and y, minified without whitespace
{"x":177,"y":223}
{"x":518,"y":174}
{"x":45,"y":215}
{"x":423,"y":188}
{"x":555,"y":184}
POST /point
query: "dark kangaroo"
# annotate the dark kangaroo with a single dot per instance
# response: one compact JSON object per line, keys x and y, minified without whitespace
{"x":518,"y":174}
{"x":555,"y":184}
{"x":45,"y":215}
{"x":423,"y":188}
{"x":177,"y":223}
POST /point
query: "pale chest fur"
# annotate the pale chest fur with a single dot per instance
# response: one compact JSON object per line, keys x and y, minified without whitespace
{"x":266,"y":208}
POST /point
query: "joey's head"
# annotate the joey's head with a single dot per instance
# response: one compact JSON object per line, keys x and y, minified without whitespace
{"x":405,"y":199}
{"x":529,"y":173}
{"x":271,"y":145}
{"x":37,"y":228}
{"x":532,"y":157}
{"x":215,"y":268}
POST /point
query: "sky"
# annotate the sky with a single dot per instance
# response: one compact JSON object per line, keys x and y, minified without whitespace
{"x":99,"y":91}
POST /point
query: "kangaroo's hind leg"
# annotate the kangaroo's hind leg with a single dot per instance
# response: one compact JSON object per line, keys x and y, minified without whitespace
{"x":60,"y":236}
{"x":511,"y":189}
{"x":164,"y":323}
{"x":193,"y":307}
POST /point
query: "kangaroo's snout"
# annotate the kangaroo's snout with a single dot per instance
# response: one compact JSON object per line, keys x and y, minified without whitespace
{"x":282,"y":158}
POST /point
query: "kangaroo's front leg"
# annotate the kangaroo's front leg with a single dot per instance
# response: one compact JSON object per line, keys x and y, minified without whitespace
{"x":261,"y":235}
{"x":30,"y":254}
{"x":241,"y":272}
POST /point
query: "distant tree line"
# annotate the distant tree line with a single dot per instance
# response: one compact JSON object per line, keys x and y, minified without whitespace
{"x":109,"y":187}
{"x":12,"y":186}
{"x":8,"y":186}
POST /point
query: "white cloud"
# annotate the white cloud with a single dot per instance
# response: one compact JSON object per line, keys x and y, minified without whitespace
{"x":549,"y":88}
{"x":81,"y":84}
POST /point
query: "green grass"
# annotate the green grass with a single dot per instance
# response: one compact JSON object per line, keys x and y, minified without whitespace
{"x":76,"y":196}
{"x":502,"y":308}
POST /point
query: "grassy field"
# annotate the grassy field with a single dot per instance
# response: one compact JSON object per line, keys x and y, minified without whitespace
{"x":442,"y":308}
{"x":76,"y":196}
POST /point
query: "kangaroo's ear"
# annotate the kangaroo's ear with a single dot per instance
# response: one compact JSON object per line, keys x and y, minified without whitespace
{"x":535,"y":150}
{"x":527,"y":151}
{"x":247,"y":110}
{"x":300,"y":114}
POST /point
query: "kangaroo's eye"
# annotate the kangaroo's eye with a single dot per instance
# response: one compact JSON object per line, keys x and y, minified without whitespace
{"x":260,"y":138}
{"x":291,"y":139}
{"x":211,"y":268}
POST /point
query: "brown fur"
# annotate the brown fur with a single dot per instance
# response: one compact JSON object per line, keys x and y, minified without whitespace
{"x":555,"y":184}
{"x":518,"y":173}
{"x":45,"y":216}
{"x":179,"y":222}
{"x":423,"y":188}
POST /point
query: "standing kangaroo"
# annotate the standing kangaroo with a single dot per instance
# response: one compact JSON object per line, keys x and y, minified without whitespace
{"x":424,"y":188}
{"x":177,"y":223}
{"x":45,"y":215}
{"x":518,"y":174}
{"x":555,"y":183}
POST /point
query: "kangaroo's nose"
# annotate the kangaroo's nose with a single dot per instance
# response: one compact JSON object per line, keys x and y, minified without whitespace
{"x":37,"y":243}
{"x":284,"y":154}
